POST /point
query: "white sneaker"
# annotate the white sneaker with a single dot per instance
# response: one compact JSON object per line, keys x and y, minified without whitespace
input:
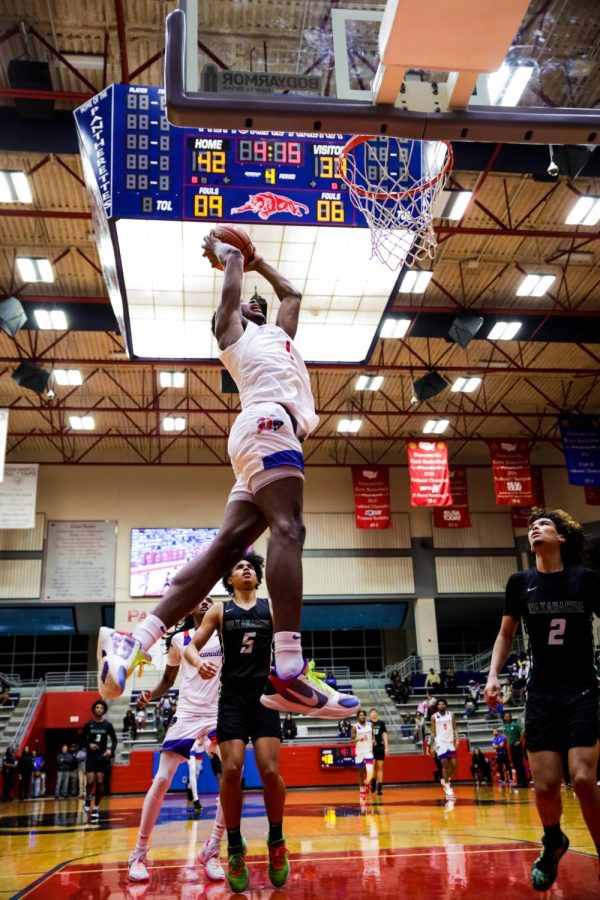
{"x":308,"y":694}
{"x":118,"y":654}
{"x":209,"y":858}
{"x":137,"y":866}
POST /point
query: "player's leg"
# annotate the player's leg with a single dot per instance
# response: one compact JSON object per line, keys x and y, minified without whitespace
{"x":99,"y":793}
{"x":379,"y":776}
{"x":546,"y":771}
{"x":209,"y":855}
{"x":233,"y":754}
{"x":583,"y":762}
{"x":90,"y":782}
{"x":194,"y":770}
{"x":119,"y":654}
{"x":169,"y":762}
{"x":266,"y":754}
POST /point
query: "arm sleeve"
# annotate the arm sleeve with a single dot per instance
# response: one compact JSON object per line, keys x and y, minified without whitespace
{"x":513,"y":595}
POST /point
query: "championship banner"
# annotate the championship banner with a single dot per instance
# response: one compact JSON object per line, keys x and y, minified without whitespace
{"x":520,"y":514}
{"x":592,"y":496}
{"x":457,"y":515}
{"x":512,"y":473}
{"x":372,"y":496}
{"x":429,"y":476}
{"x":581,"y":445}
{"x":3,"y":434}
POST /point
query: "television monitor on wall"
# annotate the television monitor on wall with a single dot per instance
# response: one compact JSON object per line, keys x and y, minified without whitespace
{"x":157,"y":554}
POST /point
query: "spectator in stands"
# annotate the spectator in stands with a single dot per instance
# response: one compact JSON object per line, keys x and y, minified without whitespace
{"x":25,"y":771}
{"x":9,"y":773}
{"x":288,"y":729}
{"x":507,"y":693}
{"x":66,"y":764}
{"x":523,"y":667}
{"x":331,"y":680}
{"x":475,"y":691}
{"x":500,"y":745}
{"x":4,"y":692}
{"x":408,"y":721}
{"x":81,"y":756}
{"x":432,"y":679}
{"x":470,"y":708}
{"x":449,"y":681}
{"x":129,"y":724}
{"x":39,"y":775}
{"x":431,"y":705}
{"x":141,"y":716}
{"x":416,"y":663}
{"x":497,"y":709}
{"x":518,"y":692}
{"x":512,"y":730}
{"x":420,"y":732}
{"x":480,"y":768}
{"x":344,"y":729}
{"x":73,"y":778}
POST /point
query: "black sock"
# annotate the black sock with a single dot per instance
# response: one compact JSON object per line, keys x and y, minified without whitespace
{"x":379,"y":786}
{"x":598,"y":849}
{"x":275,"y":832}
{"x":234,"y":837}
{"x":553,"y":836}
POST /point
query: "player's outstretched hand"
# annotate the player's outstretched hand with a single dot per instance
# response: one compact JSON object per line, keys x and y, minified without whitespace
{"x":209,"y":246}
{"x":491,"y":692}
{"x":254,"y":260}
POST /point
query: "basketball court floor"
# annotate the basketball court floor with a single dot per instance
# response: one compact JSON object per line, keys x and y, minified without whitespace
{"x":409,"y":843}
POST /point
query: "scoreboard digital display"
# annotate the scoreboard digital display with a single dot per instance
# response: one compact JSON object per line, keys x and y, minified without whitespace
{"x":342,"y":756}
{"x":147,"y":168}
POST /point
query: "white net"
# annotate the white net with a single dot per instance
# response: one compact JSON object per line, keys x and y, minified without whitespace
{"x":394,"y":183}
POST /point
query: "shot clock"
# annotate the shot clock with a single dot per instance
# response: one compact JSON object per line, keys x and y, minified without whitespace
{"x":146,"y":168}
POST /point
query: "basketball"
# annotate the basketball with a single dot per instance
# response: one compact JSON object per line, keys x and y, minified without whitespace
{"x":237,"y":237}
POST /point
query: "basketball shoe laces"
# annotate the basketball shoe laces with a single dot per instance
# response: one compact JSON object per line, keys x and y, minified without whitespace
{"x":278,"y":853}
{"x":317,"y":679}
{"x":236,"y":863}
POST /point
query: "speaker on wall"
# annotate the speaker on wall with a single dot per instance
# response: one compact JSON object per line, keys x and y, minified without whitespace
{"x":464,"y":328}
{"x":428,"y":386}
{"x":12,"y":316}
{"x":29,"y":376}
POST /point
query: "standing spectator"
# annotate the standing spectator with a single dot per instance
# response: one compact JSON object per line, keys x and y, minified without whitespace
{"x":39,"y":775}
{"x":129,"y":724}
{"x":81,"y":756}
{"x":480,"y":768}
{"x":331,"y":680}
{"x":380,"y":750}
{"x":416,"y":661}
{"x":431,"y":706}
{"x":9,"y":773}
{"x":4,"y":692}
{"x":73,"y":777}
{"x":500,"y":745}
{"x":512,"y":730}
{"x":344,"y":729}
{"x":420,"y":731}
{"x":25,"y":771}
{"x":66,"y":763}
{"x":432,"y":679}
{"x":288,"y":729}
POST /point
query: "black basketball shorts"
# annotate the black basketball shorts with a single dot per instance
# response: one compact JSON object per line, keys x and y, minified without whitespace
{"x":96,"y":762}
{"x":242,"y":717}
{"x":379,"y":753}
{"x":559,"y":720}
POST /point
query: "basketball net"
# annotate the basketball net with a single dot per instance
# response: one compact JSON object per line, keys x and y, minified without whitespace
{"x":398,"y":206}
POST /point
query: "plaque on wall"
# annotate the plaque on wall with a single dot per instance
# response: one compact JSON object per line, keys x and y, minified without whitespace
{"x":80,"y":562}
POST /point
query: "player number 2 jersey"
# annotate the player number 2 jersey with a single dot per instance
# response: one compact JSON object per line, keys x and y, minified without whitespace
{"x":197,"y":695}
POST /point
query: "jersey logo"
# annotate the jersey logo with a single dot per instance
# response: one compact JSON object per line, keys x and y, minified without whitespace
{"x":266,"y":423}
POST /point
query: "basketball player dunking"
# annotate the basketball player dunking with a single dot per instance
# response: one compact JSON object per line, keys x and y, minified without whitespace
{"x":265,"y":446}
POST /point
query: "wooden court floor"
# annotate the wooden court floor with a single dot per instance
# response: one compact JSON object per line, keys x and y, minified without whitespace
{"x":410,"y":844}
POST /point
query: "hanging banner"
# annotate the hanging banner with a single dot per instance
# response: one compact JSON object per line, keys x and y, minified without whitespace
{"x":429,"y":476}
{"x":592,"y":496}
{"x":520,"y":514}
{"x":372,"y":496}
{"x":581,"y":445}
{"x":512,"y":473}
{"x":3,"y":433}
{"x":457,"y":515}
{"x":18,"y":494}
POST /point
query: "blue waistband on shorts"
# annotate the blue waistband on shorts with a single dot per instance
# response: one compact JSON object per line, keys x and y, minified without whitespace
{"x":292,"y":458}
{"x":180,"y":745}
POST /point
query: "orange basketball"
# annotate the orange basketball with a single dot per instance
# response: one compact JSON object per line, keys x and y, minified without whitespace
{"x":237,"y":237}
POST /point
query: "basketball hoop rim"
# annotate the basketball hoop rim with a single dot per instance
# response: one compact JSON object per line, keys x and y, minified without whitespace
{"x":359,"y":139}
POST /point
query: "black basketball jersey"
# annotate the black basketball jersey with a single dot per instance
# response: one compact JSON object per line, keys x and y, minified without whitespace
{"x":247,"y":636}
{"x":378,"y":732}
{"x":557,"y":610}
{"x":99,"y":733}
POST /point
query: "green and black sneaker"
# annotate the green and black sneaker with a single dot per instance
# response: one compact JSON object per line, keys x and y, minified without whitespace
{"x":545,"y":868}
{"x":237,"y":871}
{"x":279,"y":866}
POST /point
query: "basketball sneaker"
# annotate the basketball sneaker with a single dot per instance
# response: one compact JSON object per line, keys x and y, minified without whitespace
{"x":279,"y":866}
{"x":307,"y":694}
{"x":209,"y":858}
{"x":237,"y":870}
{"x":545,"y":868}
{"x":118,"y":654}
{"x":95,"y":816}
{"x":138,"y":870}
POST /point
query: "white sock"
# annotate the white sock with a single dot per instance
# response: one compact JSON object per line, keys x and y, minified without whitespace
{"x":289,"y":660}
{"x":169,"y":763}
{"x":151,"y":629}
{"x":218,"y":829}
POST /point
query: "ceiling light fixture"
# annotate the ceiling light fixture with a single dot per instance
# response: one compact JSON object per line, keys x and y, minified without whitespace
{"x":415,"y":281}
{"x":350,"y":426}
{"x":171,"y":379}
{"x":32,"y":269}
{"x":585,"y":212}
{"x":82,"y":423}
{"x":435,"y":426}
{"x":68,"y":377}
{"x":395,"y":328}
{"x":466,"y":384}
{"x":173,"y":423}
{"x":369,"y":382}
{"x":14,"y":187}
{"x":504,"y":331}
{"x":535,"y":285}
{"x":506,"y":86}
{"x":51,"y":319}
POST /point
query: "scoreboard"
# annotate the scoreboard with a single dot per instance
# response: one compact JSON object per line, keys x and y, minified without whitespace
{"x":144,"y":167}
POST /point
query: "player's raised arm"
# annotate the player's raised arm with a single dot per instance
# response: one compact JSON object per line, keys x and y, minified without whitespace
{"x":228,"y":319}
{"x":289,"y":297}
{"x":211,"y":622}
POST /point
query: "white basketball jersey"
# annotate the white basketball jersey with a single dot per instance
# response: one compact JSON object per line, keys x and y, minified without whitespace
{"x":197,"y":696}
{"x":364,"y":745}
{"x":444,"y":732}
{"x":267,"y":368}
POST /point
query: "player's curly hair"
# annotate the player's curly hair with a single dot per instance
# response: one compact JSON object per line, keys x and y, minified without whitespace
{"x":102,"y":703}
{"x":184,"y":625}
{"x":257,"y":562}
{"x":573,"y":549}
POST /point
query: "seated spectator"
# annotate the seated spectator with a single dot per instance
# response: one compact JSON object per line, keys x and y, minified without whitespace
{"x":288,"y":729}
{"x":331,"y":680}
{"x":475,"y":691}
{"x":518,"y":692}
{"x":344,"y":728}
{"x":480,"y":767}
{"x":496,"y":711}
{"x":423,"y":704}
{"x":4,"y":692}
{"x":432,"y":679}
{"x":431,"y":705}
{"x":408,"y":721}
{"x":523,"y":667}
{"x":449,"y":681}
{"x":470,"y":708}
{"x":129,"y":724}
{"x":507,"y":693}
{"x":141,"y":718}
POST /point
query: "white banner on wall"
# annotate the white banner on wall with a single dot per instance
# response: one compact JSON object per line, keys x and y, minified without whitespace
{"x":3,"y":433}
{"x":80,"y":562}
{"x":18,"y":493}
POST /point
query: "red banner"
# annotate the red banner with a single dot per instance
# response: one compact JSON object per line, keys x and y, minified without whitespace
{"x":512,"y":473}
{"x":520,"y":514}
{"x":429,"y":476}
{"x":372,"y":496}
{"x":592,"y":495}
{"x":457,"y":515}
